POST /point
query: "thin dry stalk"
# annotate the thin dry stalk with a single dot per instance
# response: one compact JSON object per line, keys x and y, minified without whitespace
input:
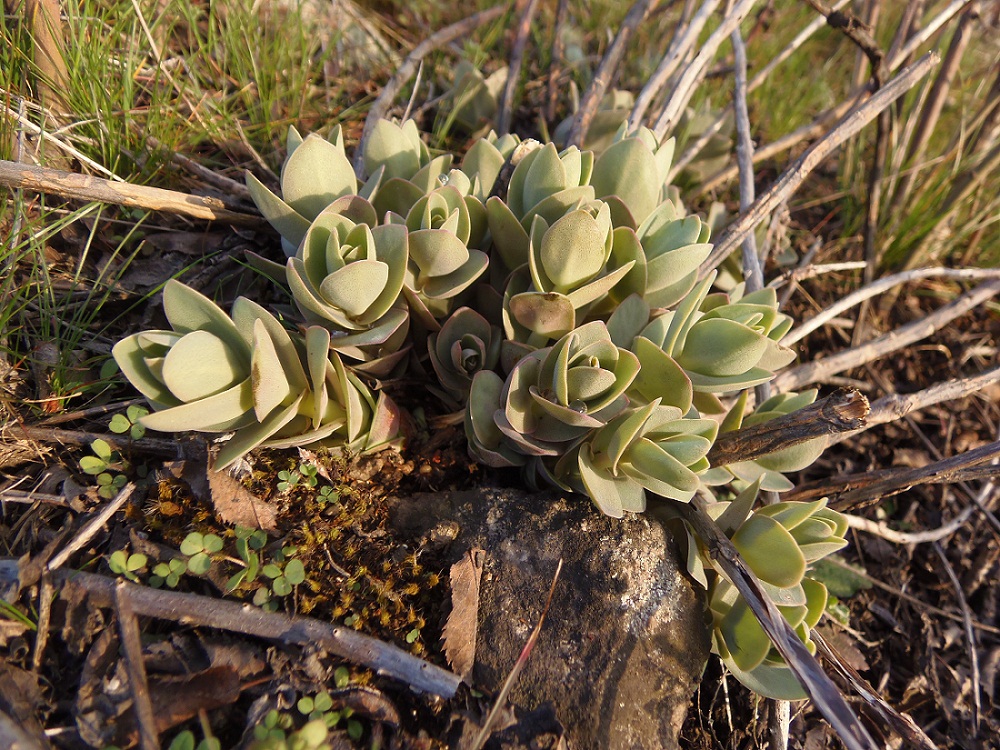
{"x":918,"y":39}
{"x":825,"y":695}
{"x":209,"y":612}
{"x":795,"y":378}
{"x":88,"y":188}
{"x":91,"y":527}
{"x":753,"y":275}
{"x":514,"y":70}
{"x":406,"y":71}
{"x":44,"y":22}
{"x":901,"y":723}
{"x":795,"y":174}
{"x":883,"y":285}
{"x":931,"y":110}
{"x":694,"y":148}
{"x":606,"y":71}
{"x":688,"y":79}
{"x":970,"y":637}
{"x":487,"y":729}
{"x":884,"y":531}
{"x":676,"y":53}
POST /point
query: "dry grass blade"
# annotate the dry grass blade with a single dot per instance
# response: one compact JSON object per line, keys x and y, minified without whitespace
{"x":406,"y":71}
{"x":128,"y":628}
{"x":791,"y":179}
{"x":825,"y":695}
{"x":209,"y":612}
{"x":85,"y":187}
{"x":508,"y":685}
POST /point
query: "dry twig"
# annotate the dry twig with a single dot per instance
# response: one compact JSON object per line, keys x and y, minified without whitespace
{"x":843,"y":410}
{"x":815,"y":371}
{"x":88,"y":188}
{"x":208,"y":612}
{"x":506,"y":113}
{"x":135,"y":668}
{"x":795,"y":174}
{"x":606,"y":70}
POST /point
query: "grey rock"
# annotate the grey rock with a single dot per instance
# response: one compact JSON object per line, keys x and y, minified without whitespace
{"x":625,"y":640}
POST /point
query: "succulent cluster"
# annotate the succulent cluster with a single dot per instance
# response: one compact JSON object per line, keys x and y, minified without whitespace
{"x":558,"y":306}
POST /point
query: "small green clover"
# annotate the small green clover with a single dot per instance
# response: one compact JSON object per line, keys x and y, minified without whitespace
{"x":198,"y":547}
{"x":124,"y":564}
{"x":328,"y":494}
{"x":101,"y":464}
{"x":185,"y":741}
{"x":289,"y":479}
{"x":129,"y":422}
{"x":284,"y":580}
{"x":168,"y":573}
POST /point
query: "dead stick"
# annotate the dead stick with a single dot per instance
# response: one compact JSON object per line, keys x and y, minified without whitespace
{"x":896,"y":406}
{"x":850,"y":490}
{"x":89,"y":188}
{"x":882,"y":285}
{"x":844,"y":409}
{"x":208,"y":612}
{"x":606,"y":70}
{"x":128,"y":628}
{"x":80,"y":437}
{"x":820,"y":688}
{"x":796,"y":173}
{"x":672,"y":59}
{"x":789,"y":380}
{"x":514,"y":70}
{"x":406,"y":71}
{"x":555,"y":69}
{"x":688,"y":79}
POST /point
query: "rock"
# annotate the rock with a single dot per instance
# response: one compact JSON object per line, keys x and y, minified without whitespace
{"x":625,"y":640}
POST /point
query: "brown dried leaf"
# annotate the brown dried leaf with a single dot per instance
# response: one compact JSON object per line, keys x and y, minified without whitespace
{"x":460,"y":631}
{"x":20,"y":698}
{"x":235,"y":504}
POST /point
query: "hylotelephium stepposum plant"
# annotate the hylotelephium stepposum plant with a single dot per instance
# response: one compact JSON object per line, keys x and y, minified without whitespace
{"x":565,"y":318}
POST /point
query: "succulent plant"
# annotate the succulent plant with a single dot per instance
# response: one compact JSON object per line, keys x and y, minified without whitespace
{"x":316,"y":172}
{"x":554,"y":397}
{"x":631,"y":175}
{"x":465,"y":345}
{"x":572,"y":264}
{"x":212,"y":373}
{"x":673,"y":247}
{"x":475,"y":98}
{"x":545,"y":183}
{"x":349,"y":277}
{"x":651,"y":448}
{"x":484,"y":160}
{"x":722,"y":345}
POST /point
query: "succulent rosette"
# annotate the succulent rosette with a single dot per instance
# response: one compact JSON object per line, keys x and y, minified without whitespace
{"x":673,"y":247}
{"x":248,"y":375}
{"x":465,"y":345}
{"x":722,"y":346}
{"x":316,"y":172}
{"x":348,"y":277}
{"x":653,"y":448}
{"x":441,"y":263}
{"x":556,"y":396}
{"x":572,"y":265}
{"x":631,"y":174}
{"x":475,"y":97}
{"x":545,"y":183}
